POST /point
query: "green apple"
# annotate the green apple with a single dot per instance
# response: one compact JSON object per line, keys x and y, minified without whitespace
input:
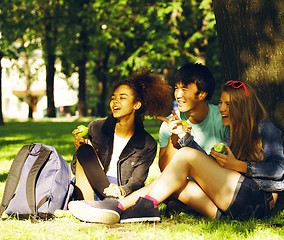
{"x":83,"y":131}
{"x":219,"y":147}
{"x":62,"y":213}
{"x":183,"y":122}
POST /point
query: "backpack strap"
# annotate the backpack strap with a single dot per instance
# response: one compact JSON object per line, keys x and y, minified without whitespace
{"x":31,"y":179}
{"x":14,"y":176}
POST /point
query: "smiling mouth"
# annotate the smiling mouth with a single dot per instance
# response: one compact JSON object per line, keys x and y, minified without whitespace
{"x":116,"y":108}
{"x":180,"y":103}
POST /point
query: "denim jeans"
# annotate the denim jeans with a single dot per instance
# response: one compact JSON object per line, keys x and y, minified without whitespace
{"x":249,"y":201}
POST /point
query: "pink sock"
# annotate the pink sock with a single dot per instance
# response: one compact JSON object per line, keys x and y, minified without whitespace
{"x":120,"y":206}
{"x":156,"y":203}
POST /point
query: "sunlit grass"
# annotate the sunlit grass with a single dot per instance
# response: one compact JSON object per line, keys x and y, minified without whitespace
{"x":179,"y":225}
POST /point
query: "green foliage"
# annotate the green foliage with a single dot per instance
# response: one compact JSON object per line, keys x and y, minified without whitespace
{"x":113,"y":38}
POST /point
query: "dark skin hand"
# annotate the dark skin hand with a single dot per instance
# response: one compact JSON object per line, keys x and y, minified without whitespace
{"x":79,"y":141}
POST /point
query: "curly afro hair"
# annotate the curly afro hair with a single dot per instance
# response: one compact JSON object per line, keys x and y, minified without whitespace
{"x":151,"y":90}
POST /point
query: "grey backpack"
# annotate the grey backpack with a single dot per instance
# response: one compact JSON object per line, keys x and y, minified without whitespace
{"x":38,"y":183}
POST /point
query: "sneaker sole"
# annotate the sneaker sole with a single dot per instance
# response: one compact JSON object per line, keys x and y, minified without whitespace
{"x":87,"y":213}
{"x":142,"y":219}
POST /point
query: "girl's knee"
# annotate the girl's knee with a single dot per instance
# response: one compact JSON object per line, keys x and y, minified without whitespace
{"x":187,"y":154}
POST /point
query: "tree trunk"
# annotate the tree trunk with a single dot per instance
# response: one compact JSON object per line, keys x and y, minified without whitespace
{"x":101,"y":107}
{"x":102,"y":81}
{"x":28,"y":82}
{"x":50,"y":71}
{"x":50,"y":46}
{"x":251,"y":39}
{"x":1,"y":114}
{"x":83,"y":41}
{"x":82,"y":88}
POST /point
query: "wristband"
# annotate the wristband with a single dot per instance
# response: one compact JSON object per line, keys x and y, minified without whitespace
{"x":185,"y":140}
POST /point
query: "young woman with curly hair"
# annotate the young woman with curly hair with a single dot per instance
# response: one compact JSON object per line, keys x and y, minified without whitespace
{"x":124,"y":151}
{"x":240,"y":184}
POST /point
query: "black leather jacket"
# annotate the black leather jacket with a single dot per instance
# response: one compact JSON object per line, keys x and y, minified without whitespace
{"x":136,"y":157}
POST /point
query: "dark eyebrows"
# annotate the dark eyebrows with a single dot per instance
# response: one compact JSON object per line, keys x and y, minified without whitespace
{"x":121,"y":94}
{"x":180,"y":85}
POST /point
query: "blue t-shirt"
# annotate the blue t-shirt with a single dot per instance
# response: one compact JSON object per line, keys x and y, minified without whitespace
{"x":207,"y":133}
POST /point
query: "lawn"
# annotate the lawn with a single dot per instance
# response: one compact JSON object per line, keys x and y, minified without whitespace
{"x":175,"y":225}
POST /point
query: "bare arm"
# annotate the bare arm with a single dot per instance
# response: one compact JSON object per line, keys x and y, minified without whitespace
{"x":178,"y":130}
{"x":166,"y":153}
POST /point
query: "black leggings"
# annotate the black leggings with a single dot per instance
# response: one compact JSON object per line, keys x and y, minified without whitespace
{"x":249,"y":201}
{"x":93,"y":171}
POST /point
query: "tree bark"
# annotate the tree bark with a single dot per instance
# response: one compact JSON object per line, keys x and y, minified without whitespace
{"x":50,"y":46}
{"x":83,"y":41}
{"x":251,"y":40}
{"x":28,"y":82}
{"x":101,"y":73}
{"x":82,"y":88}
{"x":50,"y":71}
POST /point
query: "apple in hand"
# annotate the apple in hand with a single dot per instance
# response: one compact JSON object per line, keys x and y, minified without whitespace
{"x":83,"y":131}
{"x":219,"y":147}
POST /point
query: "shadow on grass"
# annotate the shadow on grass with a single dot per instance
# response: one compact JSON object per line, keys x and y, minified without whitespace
{"x":3,"y":177}
{"x":4,"y":143}
{"x":176,"y":212}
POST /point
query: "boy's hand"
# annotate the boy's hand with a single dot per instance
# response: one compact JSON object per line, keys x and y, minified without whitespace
{"x":175,"y":125}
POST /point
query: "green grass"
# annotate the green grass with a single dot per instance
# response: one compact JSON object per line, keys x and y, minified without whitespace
{"x":179,"y":225}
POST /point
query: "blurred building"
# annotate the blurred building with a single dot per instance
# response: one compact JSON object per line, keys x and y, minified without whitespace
{"x":14,"y":91}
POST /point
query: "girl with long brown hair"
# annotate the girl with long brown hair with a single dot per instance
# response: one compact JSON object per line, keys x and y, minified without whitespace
{"x":245,"y":115}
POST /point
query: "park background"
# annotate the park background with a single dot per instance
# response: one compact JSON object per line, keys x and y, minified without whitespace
{"x":59,"y":58}
{"x":57,"y":49}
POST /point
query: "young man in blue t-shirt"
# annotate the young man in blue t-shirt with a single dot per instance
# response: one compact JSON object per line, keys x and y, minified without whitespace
{"x":194,"y":86}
